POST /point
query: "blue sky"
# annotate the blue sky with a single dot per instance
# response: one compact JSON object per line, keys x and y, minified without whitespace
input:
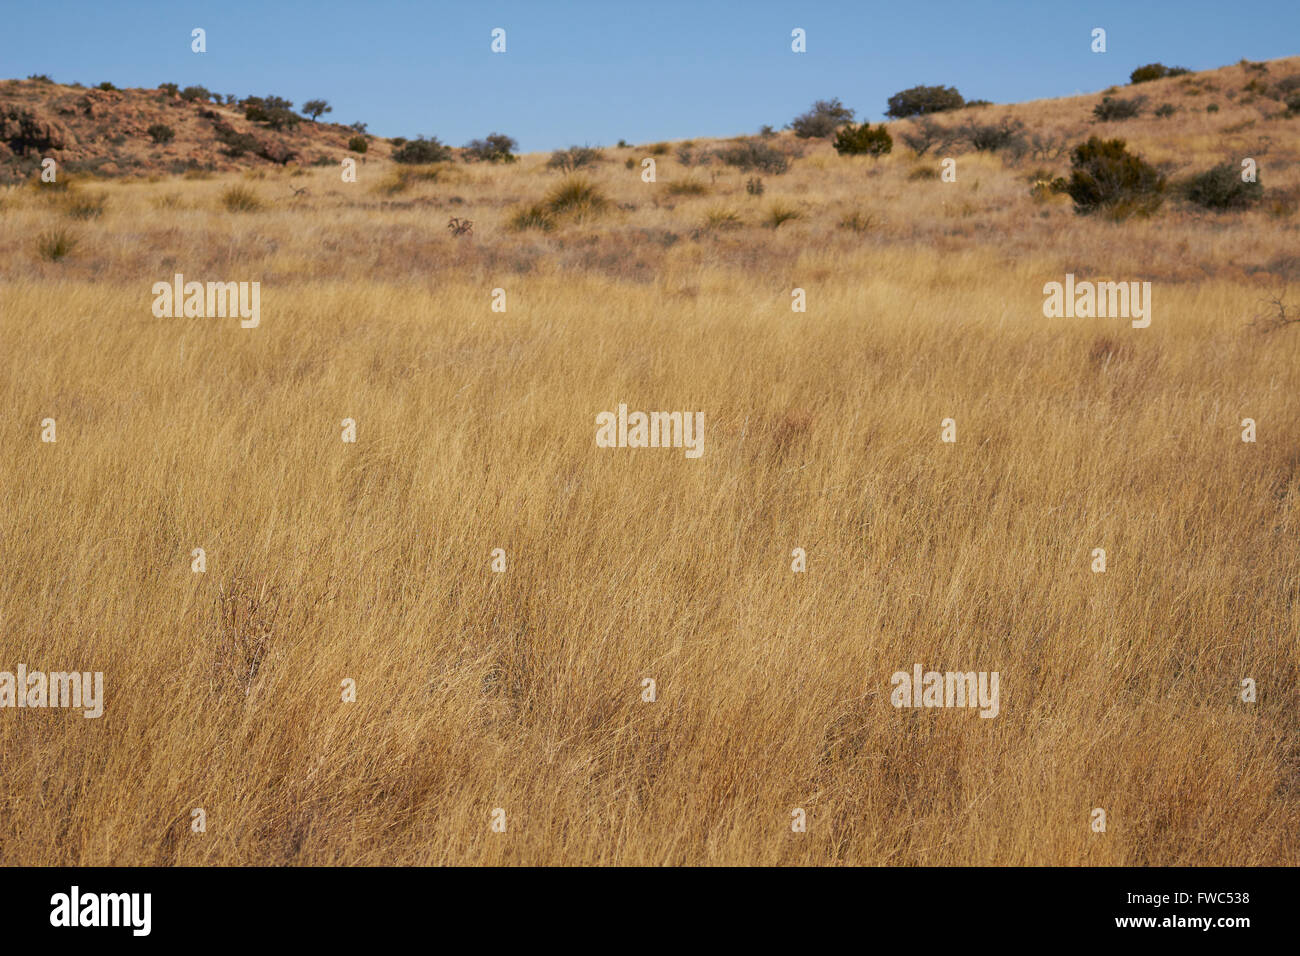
{"x":596,"y":72}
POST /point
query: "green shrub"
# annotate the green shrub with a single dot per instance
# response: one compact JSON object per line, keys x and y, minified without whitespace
{"x":161,"y":133}
{"x":1112,"y":109}
{"x":1105,"y":175}
{"x":106,"y":86}
{"x":1155,"y":71}
{"x":863,"y":140}
{"x":421,"y":151}
{"x":1165,"y":109}
{"x":823,"y":119}
{"x":358,"y":144}
{"x":195,"y":94}
{"x":494,"y":148}
{"x":171,"y":88}
{"x":920,"y":100}
{"x":1221,"y":188}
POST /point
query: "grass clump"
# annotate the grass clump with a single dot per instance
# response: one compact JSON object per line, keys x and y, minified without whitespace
{"x":55,"y":245}
{"x":240,"y":199}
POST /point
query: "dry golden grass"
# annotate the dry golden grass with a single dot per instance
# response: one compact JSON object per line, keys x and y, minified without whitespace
{"x":476,"y":431}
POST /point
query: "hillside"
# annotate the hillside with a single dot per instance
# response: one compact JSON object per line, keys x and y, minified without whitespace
{"x":106,"y":132}
{"x":361,"y":573}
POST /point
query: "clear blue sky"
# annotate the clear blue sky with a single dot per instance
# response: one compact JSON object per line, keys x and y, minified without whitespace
{"x":595,"y":72}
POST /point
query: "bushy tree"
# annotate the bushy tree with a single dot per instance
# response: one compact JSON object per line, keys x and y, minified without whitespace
{"x":863,"y":140}
{"x":316,"y":109}
{"x":822,"y":120}
{"x":920,"y":100}
{"x":494,"y":148}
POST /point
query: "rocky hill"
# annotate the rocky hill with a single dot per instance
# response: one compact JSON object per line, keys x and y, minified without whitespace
{"x":159,"y":131}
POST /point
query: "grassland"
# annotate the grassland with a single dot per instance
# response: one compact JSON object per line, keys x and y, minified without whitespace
{"x":522,"y":690}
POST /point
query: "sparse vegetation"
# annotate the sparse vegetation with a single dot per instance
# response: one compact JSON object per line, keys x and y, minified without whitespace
{"x":751,"y":154}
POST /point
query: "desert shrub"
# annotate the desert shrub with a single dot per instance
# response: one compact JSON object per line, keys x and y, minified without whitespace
{"x":751,"y":154}
{"x":1293,"y":103}
{"x":926,"y":133}
{"x":574,"y":158}
{"x":55,"y":244}
{"x":970,"y":103}
{"x":1288,"y":84}
{"x":40,"y":77}
{"x":358,"y":144}
{"x":85,"y":205}
{"x":766,"y":131}
{"x":273,"y":111}
{"x":1165,"y":110}
{"x":106,"y":86}
{"x":1047,"y":146}
{"x":398,"y":141}
{"x":1006,"y":135}
{"x":687,"y":187}
{"x":170,"y":88}
{"x":1221,"y":188}
{"x":1110,"y":108}
{"x":161,"y":133}
{"x":195,"y":94}
{"x":1105,"y":175}
{"x":1212,"y":108}
{"x":823,"y":119}
{"x":240,"y":199}
{"x":422,"y":151}
{"x":493,"y":148}
{"x":1155,"y":71}
{"x":358,"y":127}
{"x":920,"y":100}
{"x":657,"y":149}
{"x":235,"y":142}
{"x":780,"y":213}
{"x":754,"y":186}
{"x":923,"y":172}
{"x":863,"y":140}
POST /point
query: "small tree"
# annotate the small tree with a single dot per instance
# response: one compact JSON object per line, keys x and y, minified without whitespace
{"x":863,"y":140}
{"x":822,"y":120}
{"x":920,"y":100}
{"x":316,"y":109}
